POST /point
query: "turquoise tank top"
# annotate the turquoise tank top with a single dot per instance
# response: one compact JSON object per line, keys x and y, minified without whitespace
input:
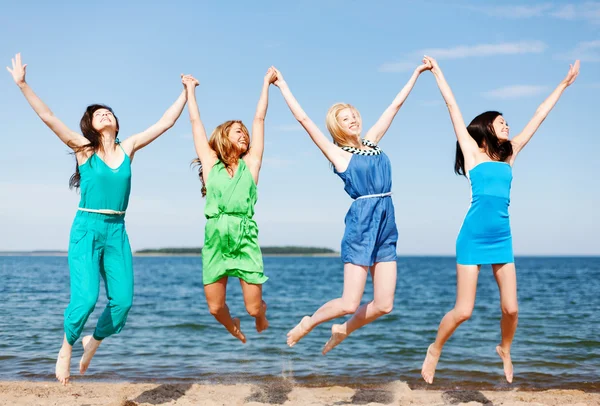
{"x":103,"y":187}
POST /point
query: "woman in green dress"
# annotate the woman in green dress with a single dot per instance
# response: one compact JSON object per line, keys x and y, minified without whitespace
{"x":229,"y":168}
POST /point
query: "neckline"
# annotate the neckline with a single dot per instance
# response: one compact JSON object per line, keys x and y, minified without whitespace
{"x":240,"y":161}
{"x":125,"y":156}
{"x":489,"y":162}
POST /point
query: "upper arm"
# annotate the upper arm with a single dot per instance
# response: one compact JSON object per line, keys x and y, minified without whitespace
{"x":466,"y":142}
{"x":66,"y":135}
{"x":378,"y":130}
{"x":140,"y":140}
{"x":331,"y":151}
{"x":257,"y":144}
{"x":519,"y":142}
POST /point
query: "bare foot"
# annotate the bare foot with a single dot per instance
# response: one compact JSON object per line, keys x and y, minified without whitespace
{"x":63,"y":364}
{"x":237,"y":331}
{"x":90,"y":345}
{"x":261,"y":322}
{"x":508,"y":366}
{"x":338,"y":334}
{"x":431,"y":360}
{"x":301,"y":329}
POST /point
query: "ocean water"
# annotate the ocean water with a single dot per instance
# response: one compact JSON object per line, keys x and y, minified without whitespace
{"x":171,"y":337}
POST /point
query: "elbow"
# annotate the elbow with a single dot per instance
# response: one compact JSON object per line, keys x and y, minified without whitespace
{"x":303,"y":120}
{"x":47,"y":117}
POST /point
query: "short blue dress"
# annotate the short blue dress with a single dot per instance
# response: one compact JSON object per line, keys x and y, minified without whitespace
{"x":371,"y":233}
{"x":485,"y":236}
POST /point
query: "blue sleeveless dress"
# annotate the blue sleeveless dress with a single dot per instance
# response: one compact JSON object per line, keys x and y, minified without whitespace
{"x":371,"y":234}
{"x":485,"y":236}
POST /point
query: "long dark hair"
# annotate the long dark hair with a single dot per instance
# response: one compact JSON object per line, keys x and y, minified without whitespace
{"x":94,"y":137}
{"x":481,"y":129}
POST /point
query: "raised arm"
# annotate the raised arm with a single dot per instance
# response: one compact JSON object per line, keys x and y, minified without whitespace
{"x":376,"y":133}
{"x":542,"y":111}
{"x":66,"y":135}
{"x":328,"y":148}
{"x":205,"y":153}
{"x":140,"y":140}
{"x":467,"y":143}
{"x":255,"y":153}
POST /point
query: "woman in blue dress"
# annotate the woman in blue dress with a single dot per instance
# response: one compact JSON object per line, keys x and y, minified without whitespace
{"x":369,"y":242}
{"x":485,"y":156}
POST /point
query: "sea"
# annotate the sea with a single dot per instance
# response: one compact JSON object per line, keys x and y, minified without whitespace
{"x":171,"y":337}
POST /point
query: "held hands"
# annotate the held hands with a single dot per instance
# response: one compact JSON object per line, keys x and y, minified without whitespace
{"x":425,"y":66}
{"x":18,"y":70}
{"x":271,"y":76}
{"x":432,"y":64}
{"x":189,"y":82}
{"x":279,"y":81}
{"x":572,"y":75}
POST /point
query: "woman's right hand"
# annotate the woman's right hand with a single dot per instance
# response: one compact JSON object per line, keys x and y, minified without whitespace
{"x":279,"y":80}
{"x":189,"y":82}
{"x":435,"y":68}
{"x":18,"y":70}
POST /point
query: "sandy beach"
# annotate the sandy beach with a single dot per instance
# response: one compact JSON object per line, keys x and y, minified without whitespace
{"x":277,"y":393}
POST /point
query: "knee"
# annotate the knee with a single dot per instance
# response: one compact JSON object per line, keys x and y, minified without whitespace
{"x":462,"y":314}
{"x":350,"y":307}
{"x":122,"y":304}
{"x":254,"y":310}
{"x":216,"y":308}
{"x":384,"y":307}
{"x":87,"y":304}
{"x":511,"y":311}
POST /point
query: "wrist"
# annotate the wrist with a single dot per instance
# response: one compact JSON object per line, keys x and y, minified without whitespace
{"x":22,"y":85}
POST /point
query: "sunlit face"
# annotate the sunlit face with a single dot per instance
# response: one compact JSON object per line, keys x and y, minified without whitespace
{"x":103,"y":119}
{"x":500,"y":128}
{"x":238,"y":137}
{"x":349,"y":122}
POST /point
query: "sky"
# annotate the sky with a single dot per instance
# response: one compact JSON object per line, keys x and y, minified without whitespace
{"x":505,"y":56}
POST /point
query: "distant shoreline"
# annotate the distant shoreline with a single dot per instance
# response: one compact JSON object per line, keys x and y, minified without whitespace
{"x":325,"y":255}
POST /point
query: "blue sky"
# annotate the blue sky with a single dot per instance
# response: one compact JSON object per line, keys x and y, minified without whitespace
{"x":504,"y":57}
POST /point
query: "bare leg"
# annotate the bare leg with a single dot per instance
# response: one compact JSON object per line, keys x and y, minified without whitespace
{"x":506,"y":277}
{"x":215,"y":298}
{"x":384,"y":286}
{"x":63,"y":362}
{"x":90,"y":345}
{"x":255,"y":306}
{"x":355,"y":277}
{"x":466,"y":289}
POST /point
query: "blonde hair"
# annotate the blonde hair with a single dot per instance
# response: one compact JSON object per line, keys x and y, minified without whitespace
{"x":226,"y":151}
{"x":340,"y":138}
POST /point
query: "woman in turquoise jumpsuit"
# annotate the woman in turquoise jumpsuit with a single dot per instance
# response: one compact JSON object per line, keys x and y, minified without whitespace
{"x":98,"y":244}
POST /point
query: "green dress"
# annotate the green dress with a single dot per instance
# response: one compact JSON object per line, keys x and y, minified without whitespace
{"x":231,"y":235}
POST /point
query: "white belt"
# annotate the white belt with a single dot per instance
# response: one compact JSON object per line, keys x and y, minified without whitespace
{"x":375,"y":195}
{"x":103,"y":211}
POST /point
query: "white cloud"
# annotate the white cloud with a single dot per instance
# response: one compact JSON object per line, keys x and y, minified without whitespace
{"x":516,"y":11}
{"x":506,"y":48}
{"x":587,"y":51}
{"x":585,"y":11}
{"x":515,"y":92}
{"x":464,"y":51}
{"x":588,"y":11}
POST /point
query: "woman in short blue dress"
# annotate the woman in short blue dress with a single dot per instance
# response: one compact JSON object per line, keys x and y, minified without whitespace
{"x":485,"y":156}
{"x":369,"y":242}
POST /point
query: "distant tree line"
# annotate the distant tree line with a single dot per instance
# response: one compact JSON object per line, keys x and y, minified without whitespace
{"x":286,"y":250}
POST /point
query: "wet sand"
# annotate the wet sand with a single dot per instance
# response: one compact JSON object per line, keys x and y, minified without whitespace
{"x":277,"y":393}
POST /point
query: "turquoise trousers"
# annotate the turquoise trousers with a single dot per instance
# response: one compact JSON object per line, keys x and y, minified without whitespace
{"x":98,"y":247}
